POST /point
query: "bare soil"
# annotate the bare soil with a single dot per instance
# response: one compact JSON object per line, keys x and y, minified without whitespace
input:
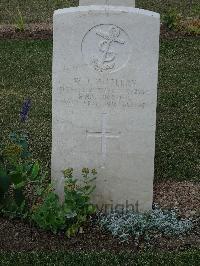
{"x":44,"y":31}
{"x":16,"y":235}
{"x":41,"y":31}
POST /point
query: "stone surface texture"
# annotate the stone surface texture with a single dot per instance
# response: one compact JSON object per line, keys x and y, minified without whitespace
{"x":107,"y":2}
{"x":105,"y":70}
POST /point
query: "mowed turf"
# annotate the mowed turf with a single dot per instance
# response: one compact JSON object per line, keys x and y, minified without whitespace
{"x":185,"y":258}
{"x":42,"y":10}
{"x":25,"y":72}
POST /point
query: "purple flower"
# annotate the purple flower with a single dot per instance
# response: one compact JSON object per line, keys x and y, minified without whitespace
{"x":25,"y":110}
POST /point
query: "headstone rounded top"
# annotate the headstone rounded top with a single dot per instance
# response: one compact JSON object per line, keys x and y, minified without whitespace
{"x":130,"y":3}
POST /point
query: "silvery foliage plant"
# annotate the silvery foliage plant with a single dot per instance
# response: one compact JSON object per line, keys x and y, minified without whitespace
{"x":144,"y":225}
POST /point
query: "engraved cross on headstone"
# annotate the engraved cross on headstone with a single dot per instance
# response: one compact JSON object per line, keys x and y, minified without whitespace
{"x":104,"y":135}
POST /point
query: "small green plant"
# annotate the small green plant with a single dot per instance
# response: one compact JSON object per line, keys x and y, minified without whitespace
{"x":16,"y":171}
{"x":19,"y":24}
{"x":74,"y":211}
{"x":172,"y":19}
{"x":144,"y":225}
{"x":49,"y":214}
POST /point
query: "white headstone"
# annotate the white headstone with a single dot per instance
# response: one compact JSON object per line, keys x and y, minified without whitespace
{"x":105,"y":70}
{"x":107,"y":2}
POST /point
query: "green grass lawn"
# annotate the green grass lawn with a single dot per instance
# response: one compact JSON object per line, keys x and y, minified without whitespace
{"x":26,"y":72}
{"x":93,"y":259}
{"x":42,"y":10}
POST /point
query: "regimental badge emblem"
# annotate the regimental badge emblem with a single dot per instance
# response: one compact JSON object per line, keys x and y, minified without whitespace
{"x":106,"y":48}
